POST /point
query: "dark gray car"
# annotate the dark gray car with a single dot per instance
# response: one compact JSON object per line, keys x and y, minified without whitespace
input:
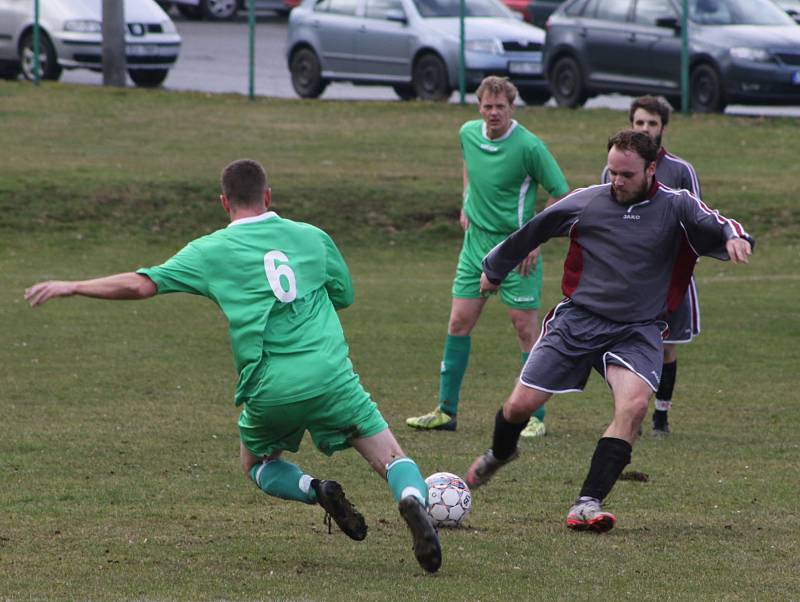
{"x":742,"y":51}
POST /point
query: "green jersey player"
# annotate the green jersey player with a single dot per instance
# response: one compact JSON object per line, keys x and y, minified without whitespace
{"x":279,"y":284}
{"x":504,"y":164}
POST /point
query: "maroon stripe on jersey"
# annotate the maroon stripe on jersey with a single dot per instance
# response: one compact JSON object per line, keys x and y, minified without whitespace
{"x":681,"y":274}
{"x":573,"y":265}
{"x":736,"y":226}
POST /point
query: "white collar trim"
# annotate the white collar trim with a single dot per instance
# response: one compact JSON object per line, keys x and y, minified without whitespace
{"x":256,"y":218}
{"x":504,"y":136}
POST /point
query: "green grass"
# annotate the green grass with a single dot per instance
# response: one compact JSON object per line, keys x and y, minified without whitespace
{"x":119,"y":474}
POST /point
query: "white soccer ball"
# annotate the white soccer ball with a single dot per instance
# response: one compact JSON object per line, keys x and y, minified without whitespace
{"x":449,"y":499}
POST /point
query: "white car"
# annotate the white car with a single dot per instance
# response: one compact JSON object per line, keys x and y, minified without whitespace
{"x":71,"y":38}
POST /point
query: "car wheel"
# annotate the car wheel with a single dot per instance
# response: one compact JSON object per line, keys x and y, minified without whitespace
{"x":534,"y":97}
{"x":307,"y":74}
{"x":566,"y":83}
{"x":430,"y":78}
{"x":405,"y":91}
{"x":194,"y":13}
{"x":48,"y":61}
{"x":148,"y":78}
{"x":706,"y":95}
{"x":220,"y":10}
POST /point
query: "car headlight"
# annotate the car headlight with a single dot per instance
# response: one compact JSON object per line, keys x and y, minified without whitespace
{"x":759,"y":55}
{"x":484,"y":46}
{"x":168,"y":27}
{"x":83,"y":26}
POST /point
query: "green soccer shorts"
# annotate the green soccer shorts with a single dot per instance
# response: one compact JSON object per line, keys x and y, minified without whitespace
{"x":333,"y":419}
{"x":516,"y":291}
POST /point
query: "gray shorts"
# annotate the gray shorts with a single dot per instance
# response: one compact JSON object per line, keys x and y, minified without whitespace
{"x":573,"y":341}
{"x":684,"y":322}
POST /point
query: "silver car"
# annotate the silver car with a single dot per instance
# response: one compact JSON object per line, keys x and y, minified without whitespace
{"x":71,"y":38}
{"x":412,"y":45}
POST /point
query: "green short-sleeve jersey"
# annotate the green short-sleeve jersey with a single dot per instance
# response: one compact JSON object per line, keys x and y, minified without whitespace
{"x":279,"y":283}
{"x":503,"y":175}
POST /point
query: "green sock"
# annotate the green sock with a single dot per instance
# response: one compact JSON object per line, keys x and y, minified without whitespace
{"x":454,"y":365}
{"x":540,"y":412}
{"x":405,"y":479}
{"x":283,"y":479}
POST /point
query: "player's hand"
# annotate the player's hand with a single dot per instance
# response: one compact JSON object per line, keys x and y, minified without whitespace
{"x":39,"y":293}
{"x":487,"y":287}
{"x":529,"y":263}
{"x":738,"y":250}
{"x":463,"y":220}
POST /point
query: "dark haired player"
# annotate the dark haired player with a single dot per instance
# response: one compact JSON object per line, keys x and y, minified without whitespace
{"x":650,"y":115}
{"x":623,"y":270}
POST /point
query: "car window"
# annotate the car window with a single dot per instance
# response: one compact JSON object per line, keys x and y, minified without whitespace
{"x":609,"y":10}
{"x":737,"y":12}
{"x":378,"y":9}
{"x":575,"y":9}
{"x":339,"y":7}
{"x":452,"y":8}
{"x":648,"y":11}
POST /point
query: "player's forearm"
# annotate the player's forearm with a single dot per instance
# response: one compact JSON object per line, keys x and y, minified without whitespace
{"x":129,"y":285}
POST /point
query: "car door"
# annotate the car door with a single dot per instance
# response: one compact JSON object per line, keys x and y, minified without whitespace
{"x":606,"y":30}
{"x":657,"y":46}
{"x":383,"y":42}
{"x":13,"y":13}
{"x":335,"y":24}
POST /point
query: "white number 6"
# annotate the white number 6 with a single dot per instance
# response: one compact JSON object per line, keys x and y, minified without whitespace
{"x":274,"y":274}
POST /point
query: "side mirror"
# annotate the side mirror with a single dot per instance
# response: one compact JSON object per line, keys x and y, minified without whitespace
{"x":669,"y":23}
{"x":396,"y":15}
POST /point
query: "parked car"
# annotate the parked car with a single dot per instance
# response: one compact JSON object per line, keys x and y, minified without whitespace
{"x":223,"y":10}
{"x":792,"y":7}
{"x":412,"y":45}
{"x":71,"y":38}
{"x":744,"y":51}
{"x":534,"y":11}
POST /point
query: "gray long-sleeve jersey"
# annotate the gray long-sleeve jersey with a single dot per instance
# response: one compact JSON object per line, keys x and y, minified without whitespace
{"x":626,"y":263}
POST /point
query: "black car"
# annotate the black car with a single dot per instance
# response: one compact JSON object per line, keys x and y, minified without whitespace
{"x":742,"y":51}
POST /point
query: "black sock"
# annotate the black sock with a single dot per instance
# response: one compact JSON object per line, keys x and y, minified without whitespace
{"x":506,"y":436}
{"x":667,"y":384}
{"x":610,"y":456}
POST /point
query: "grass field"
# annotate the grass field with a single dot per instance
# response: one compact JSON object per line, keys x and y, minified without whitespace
{"x":119,"y":475}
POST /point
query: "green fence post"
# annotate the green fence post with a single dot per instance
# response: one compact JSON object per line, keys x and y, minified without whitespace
{"x":251,"y":19}
{"x":462,"y":76}
{"x":36,"y":63}
{"x":685,"y":58}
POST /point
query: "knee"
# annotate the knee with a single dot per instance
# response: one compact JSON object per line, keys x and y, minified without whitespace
{"x":636,"y":408}
{"x":517,"y":410}
{"x":525,"y":327}
{"x":460,"y":325}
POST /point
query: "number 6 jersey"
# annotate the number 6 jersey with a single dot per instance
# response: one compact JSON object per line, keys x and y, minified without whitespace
{"x":279,"y":283}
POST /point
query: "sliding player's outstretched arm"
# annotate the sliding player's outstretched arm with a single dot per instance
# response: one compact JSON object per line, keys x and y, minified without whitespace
{"x":128,"y":285}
